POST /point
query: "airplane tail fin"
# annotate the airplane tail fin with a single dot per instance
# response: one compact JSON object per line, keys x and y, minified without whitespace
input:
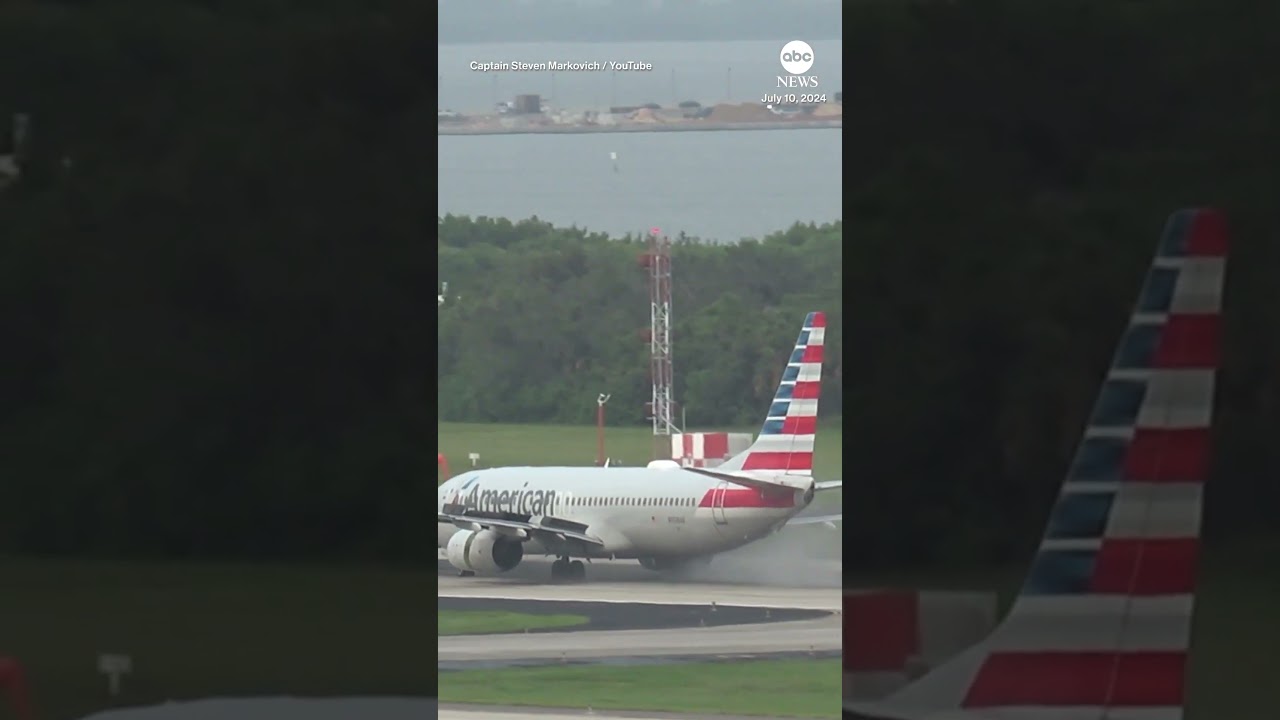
{"x":785,"y":443}
{"x":1102,"y":624}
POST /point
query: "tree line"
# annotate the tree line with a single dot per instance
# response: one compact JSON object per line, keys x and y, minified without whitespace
{"x":538,"y":320}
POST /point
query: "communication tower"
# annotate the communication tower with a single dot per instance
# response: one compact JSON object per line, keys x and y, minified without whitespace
{"x":661,"y":407}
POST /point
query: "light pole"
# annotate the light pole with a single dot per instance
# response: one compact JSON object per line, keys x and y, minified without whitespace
{"x":600,"y":401}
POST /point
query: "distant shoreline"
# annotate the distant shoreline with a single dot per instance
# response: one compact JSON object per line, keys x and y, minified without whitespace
{"x":642,"y":127}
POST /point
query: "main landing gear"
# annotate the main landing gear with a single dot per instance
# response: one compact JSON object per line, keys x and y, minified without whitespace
{"x":566,"y":570}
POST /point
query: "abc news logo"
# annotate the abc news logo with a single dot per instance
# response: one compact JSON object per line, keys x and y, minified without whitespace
{"x":797,"y":58}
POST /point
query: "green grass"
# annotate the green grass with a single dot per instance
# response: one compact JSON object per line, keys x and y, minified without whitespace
{"x":781,"y":688}
{"x":503,"y":445}
{"x":471,"y":622}
{"x":206,"y":631}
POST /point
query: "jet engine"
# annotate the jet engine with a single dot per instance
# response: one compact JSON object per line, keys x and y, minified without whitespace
{"x":484,"y":552}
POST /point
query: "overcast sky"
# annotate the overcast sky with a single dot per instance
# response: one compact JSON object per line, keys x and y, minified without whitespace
{"x":524,"y":21}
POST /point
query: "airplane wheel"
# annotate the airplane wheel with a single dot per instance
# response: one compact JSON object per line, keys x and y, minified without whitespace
{"x":560,"y":570}
{"x":466,"y":573}
{"x":577,"y":571}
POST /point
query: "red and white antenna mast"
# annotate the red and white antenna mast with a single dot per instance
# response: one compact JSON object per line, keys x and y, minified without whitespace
{"x":661,"y":406}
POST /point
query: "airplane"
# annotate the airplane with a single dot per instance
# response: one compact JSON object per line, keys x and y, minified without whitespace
{"x":1101,"y":627}
{"x":664,"y":515}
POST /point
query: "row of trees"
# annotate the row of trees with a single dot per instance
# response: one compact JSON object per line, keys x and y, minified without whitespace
{"x":539,"y":320}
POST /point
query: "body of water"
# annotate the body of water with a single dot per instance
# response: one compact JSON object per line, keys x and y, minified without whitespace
{"x":720,"y":186}
{"x":708,"y":72}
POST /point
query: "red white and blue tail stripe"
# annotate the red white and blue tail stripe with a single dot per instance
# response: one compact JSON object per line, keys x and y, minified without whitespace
{"x":785,"y":444}
{"x":1102,"y":626}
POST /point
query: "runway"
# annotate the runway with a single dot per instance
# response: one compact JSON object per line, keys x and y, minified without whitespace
{"x":622,"y":581}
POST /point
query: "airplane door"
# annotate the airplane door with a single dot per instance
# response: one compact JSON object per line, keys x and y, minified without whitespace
{"x":717,"y":504}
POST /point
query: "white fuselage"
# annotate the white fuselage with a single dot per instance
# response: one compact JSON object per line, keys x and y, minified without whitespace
{"x":636,"y":512}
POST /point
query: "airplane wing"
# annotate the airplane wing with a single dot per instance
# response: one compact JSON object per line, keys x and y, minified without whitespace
{"x":549,"y":527}
{"x":816,"y":519}
{"x":827,"y":485}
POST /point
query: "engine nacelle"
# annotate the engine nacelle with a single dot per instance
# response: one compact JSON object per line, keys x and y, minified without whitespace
{"x":484,"y":552}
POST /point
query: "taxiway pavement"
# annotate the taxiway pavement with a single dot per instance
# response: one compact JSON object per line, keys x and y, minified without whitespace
{"x":818,"y":635}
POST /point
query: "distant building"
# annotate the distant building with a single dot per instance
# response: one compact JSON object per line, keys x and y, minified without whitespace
{"x":528,"y":104}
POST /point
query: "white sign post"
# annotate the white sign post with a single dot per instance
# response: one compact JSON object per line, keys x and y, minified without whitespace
{"x":114,"y":667}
